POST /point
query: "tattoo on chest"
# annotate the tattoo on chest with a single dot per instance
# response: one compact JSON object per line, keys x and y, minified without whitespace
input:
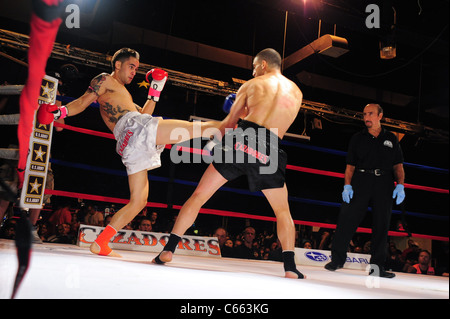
{"x":114,"y":113}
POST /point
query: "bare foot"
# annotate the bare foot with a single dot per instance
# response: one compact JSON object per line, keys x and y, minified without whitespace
{"x":293,"y":275}
{"x":95,"y":249}
{"x":164,"y":257}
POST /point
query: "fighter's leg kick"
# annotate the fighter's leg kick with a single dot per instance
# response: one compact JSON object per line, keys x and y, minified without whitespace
{"x":140,"y":137}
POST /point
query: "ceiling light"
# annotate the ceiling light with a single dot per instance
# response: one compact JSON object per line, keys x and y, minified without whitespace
{"x":388,"y":49}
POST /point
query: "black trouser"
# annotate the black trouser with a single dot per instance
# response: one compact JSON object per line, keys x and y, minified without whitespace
{"x":369,"y":190}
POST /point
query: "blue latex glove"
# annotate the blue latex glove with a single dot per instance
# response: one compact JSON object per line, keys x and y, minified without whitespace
{"x":399,"y":192}
{"x":347,"y":194}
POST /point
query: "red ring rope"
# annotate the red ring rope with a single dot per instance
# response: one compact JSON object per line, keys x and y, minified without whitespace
{"x":290,"y":167}
{"x":218,"y":212}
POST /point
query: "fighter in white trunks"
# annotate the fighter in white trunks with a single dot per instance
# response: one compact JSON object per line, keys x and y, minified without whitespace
{"x":140,"y":137}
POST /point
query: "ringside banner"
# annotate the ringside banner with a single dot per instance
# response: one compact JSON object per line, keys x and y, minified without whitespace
{"x":151,"y":242}
{"x":314,"y":257}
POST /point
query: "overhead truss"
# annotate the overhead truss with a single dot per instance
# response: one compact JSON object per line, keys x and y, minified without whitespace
{"x":17,"y":41}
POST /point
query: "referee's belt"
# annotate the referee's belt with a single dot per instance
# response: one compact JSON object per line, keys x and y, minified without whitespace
{"x":376,"y":171}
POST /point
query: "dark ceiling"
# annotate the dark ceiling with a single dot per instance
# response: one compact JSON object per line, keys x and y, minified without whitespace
{"x":420,"y":70}
{"x":419,"y":73}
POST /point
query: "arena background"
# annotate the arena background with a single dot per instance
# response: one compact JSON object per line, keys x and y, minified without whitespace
{"x":419,"y":75}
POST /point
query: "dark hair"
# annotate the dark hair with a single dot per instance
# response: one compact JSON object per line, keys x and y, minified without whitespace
{"x":271,"y":56}
{"x":425,"y":251}
{"x":123,"y":55}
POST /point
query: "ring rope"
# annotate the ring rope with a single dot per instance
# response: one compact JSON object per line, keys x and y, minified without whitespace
{"x":9,"y":153}
{"x":229,"y":189}
{"x":11,"y":119}
{"x":290,"y":167}
{"x":218,"y":212}
{"x":227,"y":213}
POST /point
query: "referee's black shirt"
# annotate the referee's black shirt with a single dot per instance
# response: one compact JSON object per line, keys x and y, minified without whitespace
{"x":369,"y":152}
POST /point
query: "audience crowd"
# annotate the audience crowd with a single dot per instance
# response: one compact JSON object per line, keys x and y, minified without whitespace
{"x":61,"y":225}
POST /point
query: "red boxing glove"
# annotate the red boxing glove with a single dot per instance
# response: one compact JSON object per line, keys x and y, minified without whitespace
{"x":49,"y":112}
{"x":159,"y":78}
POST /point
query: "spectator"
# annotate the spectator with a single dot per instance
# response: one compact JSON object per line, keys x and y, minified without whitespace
{"x":256,"y":249}
{"x":60,"y":216}
{"x":143,"y":213}
{"x":307,"y":244}
{"x":129,"y":226}
{"x":423,"y":266}
{"x":82,"y":212}
{"x":44,"y":231}
{"x":247,"y":250}
{"x":324,"y":239}
{"x":237,"y":242}
{"x":93,"y":216}
{"x":229,"y":243}
{"x":276,"y":251}
{"x":222,"y":237}
{"x":409,"y":249}
{"x":74,"y":224}
{"x":8,"y":231}
{"x":394,"y":260}
{"x":137,"y":219}
{"x":262,"y":252}
{"x":107,"y":220}
{"x":156,"y":227}
{"x":145,"y":224}
{"x":62,"y":235}
{"x":367,"y":247}
{"x":171,"y":223}
{"x":412,"y":257}
{"x":359,"y":250}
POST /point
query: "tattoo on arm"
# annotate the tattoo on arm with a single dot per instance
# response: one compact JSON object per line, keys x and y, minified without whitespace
{"x":96,"y":83}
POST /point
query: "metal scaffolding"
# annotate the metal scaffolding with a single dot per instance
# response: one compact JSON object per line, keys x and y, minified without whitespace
{"x":17,"y":41}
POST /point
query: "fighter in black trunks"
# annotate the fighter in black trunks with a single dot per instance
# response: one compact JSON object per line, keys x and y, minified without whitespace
{"x":269,"y":103}
{"x":251,"y":150}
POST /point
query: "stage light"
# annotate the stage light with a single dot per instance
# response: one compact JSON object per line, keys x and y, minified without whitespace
{"x":388,"y":48}
{"x":387,"y":51}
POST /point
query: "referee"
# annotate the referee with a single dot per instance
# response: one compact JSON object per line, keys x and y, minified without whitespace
{"x":374,"y":162}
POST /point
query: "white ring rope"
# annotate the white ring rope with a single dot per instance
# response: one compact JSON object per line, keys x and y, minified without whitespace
{"x":9,"y":153}
{"x":11,"y":89}
{"x":9,"y":119}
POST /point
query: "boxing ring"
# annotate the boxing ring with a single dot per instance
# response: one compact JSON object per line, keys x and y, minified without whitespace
{"x":68,"y":271}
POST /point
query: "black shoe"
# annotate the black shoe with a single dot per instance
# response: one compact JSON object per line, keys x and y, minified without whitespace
{"x":332,"y":266}
{"x":381,"y":273}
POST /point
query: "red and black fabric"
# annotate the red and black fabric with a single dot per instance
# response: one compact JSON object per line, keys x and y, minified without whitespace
{"x":45,"y":22}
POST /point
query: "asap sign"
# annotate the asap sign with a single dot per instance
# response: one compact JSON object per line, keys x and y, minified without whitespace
{"x":313,"y":257}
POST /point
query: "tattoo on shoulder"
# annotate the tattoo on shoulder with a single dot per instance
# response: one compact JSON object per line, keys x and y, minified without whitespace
{"x":96,"y":83}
